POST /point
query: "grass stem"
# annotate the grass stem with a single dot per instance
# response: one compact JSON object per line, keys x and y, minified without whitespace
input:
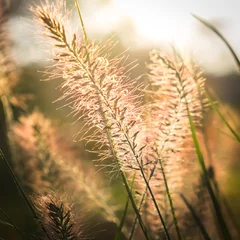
{"x":22,"y":192}
{"x":82,"y":23}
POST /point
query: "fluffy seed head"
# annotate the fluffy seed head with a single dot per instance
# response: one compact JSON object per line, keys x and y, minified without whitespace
{"x":98,"y":89}
{"x":58,"y":218}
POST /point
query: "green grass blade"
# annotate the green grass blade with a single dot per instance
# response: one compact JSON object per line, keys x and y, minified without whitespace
{"x":21,"y":190}
{"x":196,"y":218}
{"x":82,"y":23}
{"x":218,"y":211}
{"x":25,"y":234}
{"x":143,"y":227}
{"x":11,"y":223}
{"x":226,"y":207}
{"x":210,"y":26}
{"x":119,"y":231}
{"x":17,"y":183}
{"x":132,"y":232}
{"x":156,"y":206}
{"x":215,"y":108}
{"x":6,"y":223}
{"x":170,"y":200}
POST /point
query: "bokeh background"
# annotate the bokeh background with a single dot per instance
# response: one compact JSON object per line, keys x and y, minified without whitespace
{"x":138,"y":25}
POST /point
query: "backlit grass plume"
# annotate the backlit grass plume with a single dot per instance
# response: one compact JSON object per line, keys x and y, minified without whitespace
{"x":46,"y":160}
{"x":175,"y":93}
{"x":154,"y":145}
{"x":100,"y":91}
{"x":39,"y":148}
{"x":96,"y":88}
{"x":58,"y":218}
{"x":154,"y":148}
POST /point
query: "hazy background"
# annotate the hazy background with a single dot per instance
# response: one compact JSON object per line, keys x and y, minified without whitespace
{"x":141,"y":25}
{"x":146,"y":24}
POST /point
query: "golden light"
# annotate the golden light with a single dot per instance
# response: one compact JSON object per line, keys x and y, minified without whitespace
{"x":156,"y":22}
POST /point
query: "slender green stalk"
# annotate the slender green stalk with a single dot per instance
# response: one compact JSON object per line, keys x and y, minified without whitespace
{"x":119,"y":231}
{"x":82,"y":23}
{"x":22,"y":231}
{"x":170,"y":201}
{"x":210,"y":26}
{"x":8,"y":114}
{"x":215,"y":108}
{"x":144,"y":229}
{"x":227,"y":207}
{"x":144,"y":178}
{"x":12,"y":223}
{"x":157,"y":208}
{"x":22,"y":192}
{"x":215,"y":202}
{"x":129,"y":192}
{"x":6,"y":223}
{"x":17,"y":183}
{"x":135,"y":219}
{"x":196,"y":218}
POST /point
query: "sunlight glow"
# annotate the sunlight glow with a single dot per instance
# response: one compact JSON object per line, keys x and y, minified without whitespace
{"x":157,"y":21}
{"x":146,"y":24}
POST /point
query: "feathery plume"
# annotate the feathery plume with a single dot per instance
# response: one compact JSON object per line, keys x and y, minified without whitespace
{"x":100,"y":91}
{"x":47,"y":160}
{"x":96,"y":88}
{"x":175,"y":90}
{"x":58,"y":218}
{"x":38,"y":146}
